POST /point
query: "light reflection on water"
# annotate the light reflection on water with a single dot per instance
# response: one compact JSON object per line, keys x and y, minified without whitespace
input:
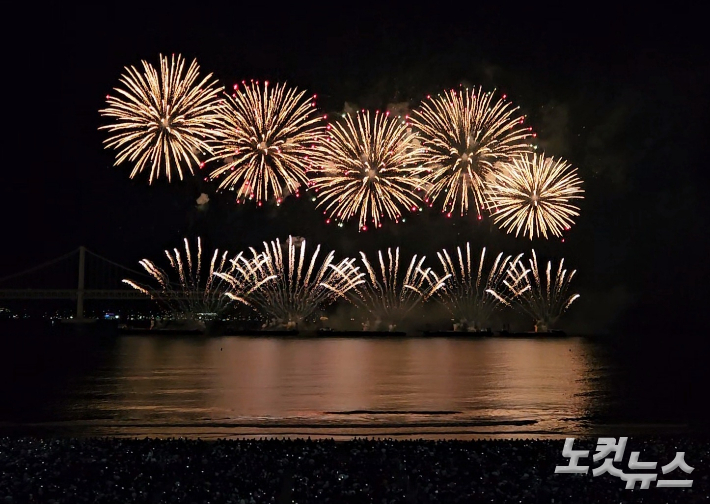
{"x":236,"y":386}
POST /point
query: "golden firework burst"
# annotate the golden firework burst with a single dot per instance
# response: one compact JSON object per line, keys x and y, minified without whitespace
{"x":267,"y":141}
{"x":533,"y":194}
{"x":163,"y":120}
{"x":368,"y":166}
{"x":466,"y":133}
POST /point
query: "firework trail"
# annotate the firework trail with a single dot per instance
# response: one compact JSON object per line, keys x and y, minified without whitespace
{"x":533,"y":194}
{"x":162,"y":120}
{"x":389,"y":294}
{"x":192,"y":293}
{"x":299,"y":286}
{"x":466,"y":134}
{"x":367,"y":166}
{"x":544,"y":298}
{"x":268,"y":137}
{"x":467,"y":285}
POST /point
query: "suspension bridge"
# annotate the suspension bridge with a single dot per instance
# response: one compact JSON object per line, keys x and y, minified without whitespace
{"x":94,"y":276}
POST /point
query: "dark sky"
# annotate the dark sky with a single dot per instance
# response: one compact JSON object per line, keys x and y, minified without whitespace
{"x":622,"y":94}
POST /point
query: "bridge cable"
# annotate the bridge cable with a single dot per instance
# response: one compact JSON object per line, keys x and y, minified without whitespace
{"x":43,"y":265}
{"x":143,"y":274}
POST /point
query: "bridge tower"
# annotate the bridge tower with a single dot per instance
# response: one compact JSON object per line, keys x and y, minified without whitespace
{"x":80,"y":291}
{"x":80,"y":286}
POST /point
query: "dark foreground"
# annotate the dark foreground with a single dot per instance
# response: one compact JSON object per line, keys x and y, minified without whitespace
{"x":276,"y":471}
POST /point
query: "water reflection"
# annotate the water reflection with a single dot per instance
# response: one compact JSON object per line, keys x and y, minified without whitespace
{"x":332,"y":387}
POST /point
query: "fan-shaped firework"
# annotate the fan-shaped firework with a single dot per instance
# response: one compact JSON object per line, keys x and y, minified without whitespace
{"x":466,"y":285}
{"x":533,"y":194}
{"x":191,"y":294}
{"x":544,"y":298}
{"x":366,"y":167}
{"x":299,"y":286}
{"x":162,"y":120}
{"x":466,"y":133}
{"x":267,"y":141}
{"x":389,"y":294}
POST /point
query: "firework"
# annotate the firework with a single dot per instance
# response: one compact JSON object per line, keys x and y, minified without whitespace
{"x":389,"y":294}
{"x":466,"y":134}
{"x":544,"y":298}
{"x":367,"y":166}
{"x":299,"y":286}
{"x":163,"y":120}
{"x":466,"y":285}
{"x":267,"y":141}
{"x":533,"y":194}
{"x":192,"y":293}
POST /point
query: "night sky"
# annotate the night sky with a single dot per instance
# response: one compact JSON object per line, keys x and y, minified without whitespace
{"x":621,"y":94}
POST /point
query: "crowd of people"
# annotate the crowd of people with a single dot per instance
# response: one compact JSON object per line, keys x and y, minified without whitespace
{"x":305,"y":471}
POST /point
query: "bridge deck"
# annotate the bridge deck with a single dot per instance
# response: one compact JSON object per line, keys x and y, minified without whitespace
{"x":71,"y":294}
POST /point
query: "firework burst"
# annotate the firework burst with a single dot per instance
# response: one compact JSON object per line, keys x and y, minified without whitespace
{"x":191,"y":293}
{"x":390,"y":294}
{"x":367,"y":166}
{"x":163,"y":119}
{"x":532,"y":194}
{"x":544,"y":298}
{"x":466,"y":133}
{"x":299,"y":286}
{"x":467,"y":285}
{"x":267,"y":141}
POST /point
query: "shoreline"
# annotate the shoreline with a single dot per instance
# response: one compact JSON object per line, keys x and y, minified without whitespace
{"x":502,"y":432}
{"x":223,"y":329}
